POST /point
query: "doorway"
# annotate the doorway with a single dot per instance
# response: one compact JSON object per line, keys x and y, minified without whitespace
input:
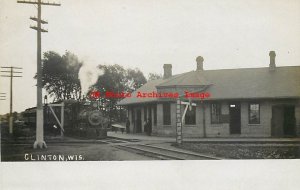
{"x":150,"y":121}
{"x":283,"y":121}
{"x":133,"y":120}
{"x":235,"y":118}
{"x":138,"y":121}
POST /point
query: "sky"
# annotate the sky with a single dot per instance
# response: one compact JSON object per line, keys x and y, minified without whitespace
{"x":146,"y":34}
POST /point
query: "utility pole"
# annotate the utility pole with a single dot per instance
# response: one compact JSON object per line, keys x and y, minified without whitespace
{"x":11,"y":75}
{"x":39,"y":142}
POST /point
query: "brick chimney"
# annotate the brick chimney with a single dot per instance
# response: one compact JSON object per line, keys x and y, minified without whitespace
{"x":199,"y":61}
{"x":167,"y":71}
{"x":272,"y":64}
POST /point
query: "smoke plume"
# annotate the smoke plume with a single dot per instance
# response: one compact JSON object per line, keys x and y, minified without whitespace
{"x":88,"y":76}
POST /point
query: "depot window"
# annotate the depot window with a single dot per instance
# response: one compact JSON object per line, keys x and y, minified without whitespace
{"x":145,"y":113}
{"x":190,"y":116}
{"x":155,"y":114}
{"x":254,"y":113}
{"x":167,"y":114}
{"x":215,"y":112}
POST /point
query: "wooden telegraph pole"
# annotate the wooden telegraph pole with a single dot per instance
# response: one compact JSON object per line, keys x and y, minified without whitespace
{"x":39,"y":108}
{"x":11,"y":75}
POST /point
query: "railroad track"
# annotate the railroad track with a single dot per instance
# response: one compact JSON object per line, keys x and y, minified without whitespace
{"x":164,"y":153}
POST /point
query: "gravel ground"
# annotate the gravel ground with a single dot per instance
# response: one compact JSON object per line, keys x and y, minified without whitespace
{"x":246,"y":151}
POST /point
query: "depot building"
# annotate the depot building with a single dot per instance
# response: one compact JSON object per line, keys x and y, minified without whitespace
{"x":245,"y":102}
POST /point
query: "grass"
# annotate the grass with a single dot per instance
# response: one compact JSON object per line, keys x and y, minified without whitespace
{"x":245,"y":151}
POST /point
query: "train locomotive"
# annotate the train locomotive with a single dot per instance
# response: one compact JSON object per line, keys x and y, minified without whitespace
{"x":81,"y":119}
{"x":91,"y":123}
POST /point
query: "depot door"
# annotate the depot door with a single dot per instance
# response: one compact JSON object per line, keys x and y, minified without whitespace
{"x":277,"y":121}
{"x":235,"y":118}
{"x":138,"y":121}
{"x":289,"y":121}
{"x":283,"y":121}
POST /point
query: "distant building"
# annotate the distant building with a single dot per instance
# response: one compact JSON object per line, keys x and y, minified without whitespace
{"x":246,"y":102}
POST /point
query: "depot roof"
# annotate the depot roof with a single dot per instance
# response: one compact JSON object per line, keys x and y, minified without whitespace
{"x":243,"y":83}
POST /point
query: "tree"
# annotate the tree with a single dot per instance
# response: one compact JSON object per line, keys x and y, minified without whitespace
{"x":154,"y":76}
{"x":116,"y":79}
{"x":134,"y":79}
{"x":15,"y":115}
{"x":60,"y":75}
